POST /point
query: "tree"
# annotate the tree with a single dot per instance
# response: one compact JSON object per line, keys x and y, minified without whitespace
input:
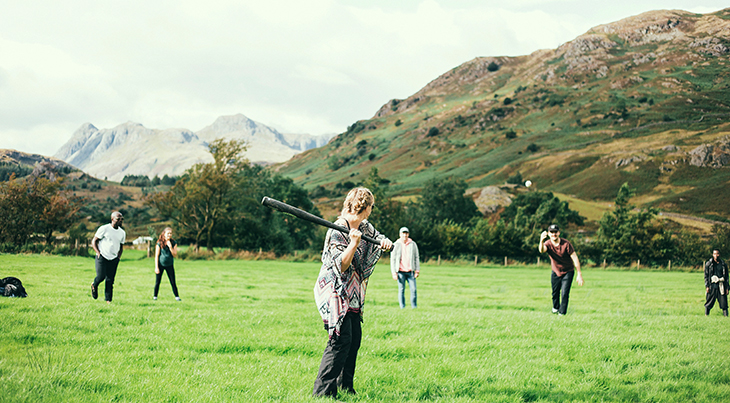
{"x":35,"y":205}
{"x":202,"y":196}
{"x":60,"y":209}
{"x":443,"y":199}
{"x":543,"y":208}
{"x":624,"y":235}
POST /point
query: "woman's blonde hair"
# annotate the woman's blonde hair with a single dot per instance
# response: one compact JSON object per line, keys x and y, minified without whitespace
{"x":162,"y":235}
{"x":357,"y":200}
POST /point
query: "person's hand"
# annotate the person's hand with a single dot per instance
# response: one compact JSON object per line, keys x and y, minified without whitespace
{"x":395,"y":277}
{"x":157,"y":270}
{"x":580,"y":279}
{"x":355,"y":236}
{"x":417,"y":273}
{"x":386,"y":244}
{"x":543,"y":236}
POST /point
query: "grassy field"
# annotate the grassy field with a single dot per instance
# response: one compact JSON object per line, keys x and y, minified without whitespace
{"x":249,"y":331}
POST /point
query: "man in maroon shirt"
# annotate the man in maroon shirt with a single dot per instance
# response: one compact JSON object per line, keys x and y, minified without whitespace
{"x":564,"y":262}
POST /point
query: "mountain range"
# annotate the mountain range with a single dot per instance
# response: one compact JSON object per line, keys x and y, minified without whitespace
{"x":644,"y":101}
{"x":132,"y":149}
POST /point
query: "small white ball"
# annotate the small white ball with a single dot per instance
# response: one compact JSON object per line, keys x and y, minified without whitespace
{"x":528,"y":183}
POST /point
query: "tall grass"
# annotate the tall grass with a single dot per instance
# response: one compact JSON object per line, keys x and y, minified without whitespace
{"x":249,"y":331}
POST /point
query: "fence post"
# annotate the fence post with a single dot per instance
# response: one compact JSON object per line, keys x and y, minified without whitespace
{"x":438,"y":263}
{"x":638,"y":264}
{"x":476,"y":259}
{"x":505,"y":260}
{"x":538,"y":260}
{"x":604,"y":263}
{"x":669,"y":268}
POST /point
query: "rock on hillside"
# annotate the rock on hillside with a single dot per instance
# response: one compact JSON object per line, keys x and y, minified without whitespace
{"x":711,"y":155}
{"x":491,"y":198}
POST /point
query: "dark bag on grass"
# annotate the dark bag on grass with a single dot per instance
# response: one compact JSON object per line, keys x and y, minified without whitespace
{"x":12,"y":287}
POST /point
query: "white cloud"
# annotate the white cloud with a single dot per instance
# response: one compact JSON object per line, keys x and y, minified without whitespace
{"x":302,"y":66}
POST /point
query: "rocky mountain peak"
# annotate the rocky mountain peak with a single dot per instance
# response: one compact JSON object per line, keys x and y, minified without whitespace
{"x":131,"y":148}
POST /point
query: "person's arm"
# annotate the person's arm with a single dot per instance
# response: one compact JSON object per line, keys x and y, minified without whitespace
{"x":395,"y":260}
{"x":541,"y":246}
{"x":173,"y":248}
{"x":121,"y":250}
{"x":707,"y":277}
{"x":94,"y":244}
{"x":417,"y":259}
{"x":157,"y":258}
{"x":349,"y":253}
{"x":576,"y":265}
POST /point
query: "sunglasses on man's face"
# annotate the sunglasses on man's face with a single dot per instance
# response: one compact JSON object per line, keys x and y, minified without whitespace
{"x":554,"y":232}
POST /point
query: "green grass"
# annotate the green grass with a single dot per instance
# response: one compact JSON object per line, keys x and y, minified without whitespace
{"x":249,"y":331}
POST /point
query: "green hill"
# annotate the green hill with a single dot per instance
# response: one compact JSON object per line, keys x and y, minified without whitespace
{"x":632,"y":101}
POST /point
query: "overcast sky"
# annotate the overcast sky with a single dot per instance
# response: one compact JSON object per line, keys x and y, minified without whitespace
{"x":298,"y":65}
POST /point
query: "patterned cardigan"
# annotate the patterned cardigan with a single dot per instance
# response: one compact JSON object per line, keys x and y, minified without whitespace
{"x":335,"y":291}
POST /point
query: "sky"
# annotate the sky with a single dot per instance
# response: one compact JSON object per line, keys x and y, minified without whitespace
{"x":300,"y":66}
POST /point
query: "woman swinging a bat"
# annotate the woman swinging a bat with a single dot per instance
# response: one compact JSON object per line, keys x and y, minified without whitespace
{"x":347,"y":263}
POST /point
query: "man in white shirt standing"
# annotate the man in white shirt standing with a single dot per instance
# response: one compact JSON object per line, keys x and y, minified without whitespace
{"x":405,"y":266}
{"x":108,"y":244}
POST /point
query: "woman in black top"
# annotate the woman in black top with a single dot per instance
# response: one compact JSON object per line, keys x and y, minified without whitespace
{"x":165,"y":253}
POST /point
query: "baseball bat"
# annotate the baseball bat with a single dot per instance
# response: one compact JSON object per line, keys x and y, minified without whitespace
{"x":285,"y":208}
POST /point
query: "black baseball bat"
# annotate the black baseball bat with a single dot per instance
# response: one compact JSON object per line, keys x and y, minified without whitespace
{"x":285,"y":208}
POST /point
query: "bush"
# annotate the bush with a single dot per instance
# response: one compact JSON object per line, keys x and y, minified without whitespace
{"x":398,"y":123}
{"x":507,"y":101}
{"x":493,"y":66}
{"x":515,"y":179}
{"x":434,"y":131}
{"x":510,"y":134}
{"x":532,"y":147}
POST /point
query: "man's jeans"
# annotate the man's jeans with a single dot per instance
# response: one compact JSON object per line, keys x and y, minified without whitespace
{"x":561,"y":290}
{"x":411,"y":278}
{"x":106,"y":270}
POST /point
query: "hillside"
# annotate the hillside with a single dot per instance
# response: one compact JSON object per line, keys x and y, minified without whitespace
{"x":643,"y":100}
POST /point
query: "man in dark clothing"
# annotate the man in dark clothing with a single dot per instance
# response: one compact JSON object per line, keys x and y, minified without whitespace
{"x":564,"y":263}
{"x":716,"y":283}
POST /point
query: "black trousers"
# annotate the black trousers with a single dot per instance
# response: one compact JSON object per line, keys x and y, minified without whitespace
{"x":106,"y":270}
{"x":170,"y":275}
{"x":561,"y":290}
{"x":337,"y":368}
{"x":713,"y":295}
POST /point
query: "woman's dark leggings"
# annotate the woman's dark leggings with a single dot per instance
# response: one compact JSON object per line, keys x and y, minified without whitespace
{"x":170,"y":275}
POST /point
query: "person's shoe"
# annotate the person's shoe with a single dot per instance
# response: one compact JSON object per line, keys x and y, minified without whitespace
{"x":154,"y":298}
{"x":724,"y":312}
{"x":555,"y":310}
{"x":178,"y":299}
{"x":94,"y":292}
{"x":560,"y":314}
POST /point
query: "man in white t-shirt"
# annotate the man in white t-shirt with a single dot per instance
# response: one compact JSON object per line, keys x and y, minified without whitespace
{"x":405,"y":266}
{"x":108,"y":244}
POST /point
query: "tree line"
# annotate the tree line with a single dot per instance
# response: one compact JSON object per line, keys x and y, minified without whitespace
{"x":218,"y":204}
{"x":33,"y":209}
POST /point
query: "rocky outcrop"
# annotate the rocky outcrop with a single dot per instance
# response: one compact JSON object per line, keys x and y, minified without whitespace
{"x":622,"y":162}
{"x":711,"y":155}
{"x":491,"y":198}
